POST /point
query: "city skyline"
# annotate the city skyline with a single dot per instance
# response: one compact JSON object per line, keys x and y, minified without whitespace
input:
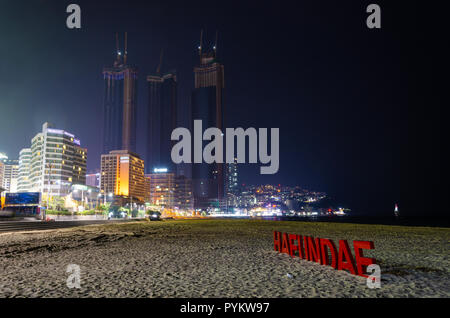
{"x":326,"y":104}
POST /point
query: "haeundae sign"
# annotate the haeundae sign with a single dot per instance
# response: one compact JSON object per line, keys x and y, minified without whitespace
{"x":316,"y":250}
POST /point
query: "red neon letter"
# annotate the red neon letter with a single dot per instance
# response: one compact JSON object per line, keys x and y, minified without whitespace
{"x":314,"y":249}
{"x":276,"y":241}
{"x":324,"y":243}
{"x":349,"y":263}
{"x":292,"y":246}
{"x":361,"y":261}
{"x":305,"y":241}
{"x":285,"y":244}
{"x":300,"y":247}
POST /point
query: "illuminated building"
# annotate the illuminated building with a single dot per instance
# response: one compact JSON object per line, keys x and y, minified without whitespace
{"x":122,"y":174}
{"x":169,"y":190}
{"x":232,"y":177}
{"x":9,"y":171}
{"x":2,"y":169}
{"x":162,"y":119}
{"x":207,"y":105}
{"x":57,"y":161}
{"x":24,"y":170}
{"x":119,"y":104}
{"x":93,"y":179}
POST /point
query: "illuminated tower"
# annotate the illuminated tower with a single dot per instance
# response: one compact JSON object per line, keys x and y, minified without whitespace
{"x":207,"y":105}
{"x":119,"y":103}
{"x":122,"y":173}
{"x":162,"y":119}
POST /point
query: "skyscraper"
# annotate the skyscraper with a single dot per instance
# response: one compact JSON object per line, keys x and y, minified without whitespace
{"x":24,"y":170}
{"x":57,"y":161}
{"x":207,"y":105}
{"x":170,"y":191}
{"x":119,"y":103}
{"x":162,"y":119}
{"x":232,"y":177}
{"x":122,"y":173}
{"x":9,"y":171}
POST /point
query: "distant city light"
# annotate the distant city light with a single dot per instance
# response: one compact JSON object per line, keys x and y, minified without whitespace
{"x":160,"y":170}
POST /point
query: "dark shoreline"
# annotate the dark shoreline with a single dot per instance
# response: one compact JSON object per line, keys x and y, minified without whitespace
{"x":402,"y":221}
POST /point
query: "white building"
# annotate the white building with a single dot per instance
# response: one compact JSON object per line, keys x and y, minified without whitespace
{"x":9,"y":170}
{"x":24,"y":183}
{"x":57,"y":161}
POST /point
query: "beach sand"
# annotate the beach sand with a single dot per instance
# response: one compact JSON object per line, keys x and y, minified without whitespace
{"x":217,"y":258}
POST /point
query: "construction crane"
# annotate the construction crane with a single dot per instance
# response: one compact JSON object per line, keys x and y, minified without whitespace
{"x":126,"y":49}
{"x":158,"y":69}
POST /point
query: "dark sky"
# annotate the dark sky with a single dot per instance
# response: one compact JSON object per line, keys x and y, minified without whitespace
{"x":353,"y":105}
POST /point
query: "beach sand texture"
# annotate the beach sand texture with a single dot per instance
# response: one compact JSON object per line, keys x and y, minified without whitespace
{"x":217,"y":258}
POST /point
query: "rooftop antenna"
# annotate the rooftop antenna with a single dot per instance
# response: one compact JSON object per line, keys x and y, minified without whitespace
{"x":158,"y":70}
{"x":215,"y":44}
{"x":201,"y":43}
{"x":117,"y":49}
{"x":126,"y":51}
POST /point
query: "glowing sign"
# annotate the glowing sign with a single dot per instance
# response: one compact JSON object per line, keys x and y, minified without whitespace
{"x":55,"y":131}
{"x":160,"y":170}
{"x":316,"y":250}
{"x":69,"y":134}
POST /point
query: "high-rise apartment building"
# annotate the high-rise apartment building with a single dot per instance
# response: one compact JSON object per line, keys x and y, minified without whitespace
{"x":119,"y":103}
{"x":57,"y":161}
{"x":9,"y":171}
{"x":232,"y":177}
{"x":162,"y":120}
{"x":207,"y":105}
{"x":10,"y":175}
{"x":24,"y":184}
{"x":122,"y":174}
{"x":93,"y":179}
{"x":169,"y":190}
{"x":2,"y":168}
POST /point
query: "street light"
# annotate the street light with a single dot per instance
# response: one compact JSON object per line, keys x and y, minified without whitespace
{"x":50,"y":166}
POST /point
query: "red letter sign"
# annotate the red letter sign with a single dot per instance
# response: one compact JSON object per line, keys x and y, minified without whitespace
{"x":276,"y":241}
{"x":285,"y":244}
{"x":349,"y":263}
{"x":314,"y":249}
{"x":324,"y":243}
{"x":361,"y":261}
{"x":292,"y":246}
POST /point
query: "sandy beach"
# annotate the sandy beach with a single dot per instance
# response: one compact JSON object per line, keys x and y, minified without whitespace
{"x":217,"y":258}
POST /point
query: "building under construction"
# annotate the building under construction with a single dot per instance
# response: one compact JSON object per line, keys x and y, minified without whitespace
{"x":119,"y":103}
{"x":162,"y":119}
{"x":207,"y":105}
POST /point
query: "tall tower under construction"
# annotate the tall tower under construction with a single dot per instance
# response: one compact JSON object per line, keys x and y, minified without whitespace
{"x":162,"y":119}
{"x":119,"y":103}
{"x":207,"y":105}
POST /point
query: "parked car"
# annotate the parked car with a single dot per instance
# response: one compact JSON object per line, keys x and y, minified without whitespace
{"x":155,"y":216}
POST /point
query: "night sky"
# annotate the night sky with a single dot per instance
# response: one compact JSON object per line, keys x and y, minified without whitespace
{"x":355,"y":109}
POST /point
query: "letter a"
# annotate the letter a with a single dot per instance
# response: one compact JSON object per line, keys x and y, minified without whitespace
{"x":374,"y":20}
{"x":74,"y":20}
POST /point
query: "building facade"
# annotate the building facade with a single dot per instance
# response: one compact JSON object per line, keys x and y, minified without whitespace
{"x":122,"y":174}
{"x":24,"y":184}
{"x":170,"y":191}
{"x":232,"y":183}
{"x":162,"y":120}
{"x":93,"y":179}
{"x":2,"y":168}
{"x":207,"y":105}
{"x":10,"y":175}
{"x":57,"y":161}
{"x":119,"y":104}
